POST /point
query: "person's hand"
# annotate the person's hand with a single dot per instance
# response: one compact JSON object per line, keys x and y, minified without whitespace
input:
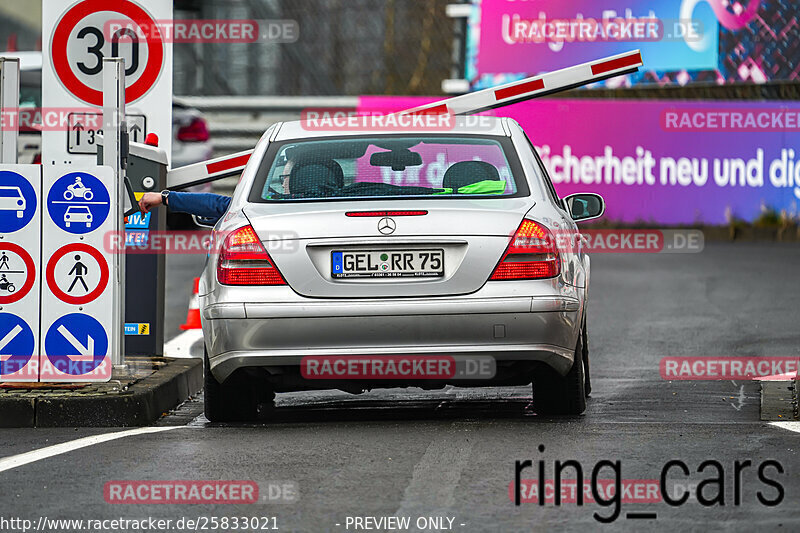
{"x":149,"y":201}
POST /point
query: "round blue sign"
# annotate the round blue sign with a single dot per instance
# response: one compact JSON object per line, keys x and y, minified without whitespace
{"x":78,"y":203}
{"x":17,"y":201}
{"x":76,"y":334}
{"x":16,"y":340}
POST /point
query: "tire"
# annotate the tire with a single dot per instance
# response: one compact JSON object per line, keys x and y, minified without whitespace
{"x":11,"y":288}
{"x":586,"y":368}
{"x":236,"y":400}
{"x":68,"y":195}
{"x":88,"y":195}
{"x":554,"y":394}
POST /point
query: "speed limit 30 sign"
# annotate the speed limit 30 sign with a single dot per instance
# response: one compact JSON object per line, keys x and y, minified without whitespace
{"x":78,"y":36}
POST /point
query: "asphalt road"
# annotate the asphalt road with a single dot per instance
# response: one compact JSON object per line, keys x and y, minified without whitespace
{"x":452,"y":453}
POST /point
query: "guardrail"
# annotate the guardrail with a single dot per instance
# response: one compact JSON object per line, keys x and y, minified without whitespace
{"x":237,"y":122}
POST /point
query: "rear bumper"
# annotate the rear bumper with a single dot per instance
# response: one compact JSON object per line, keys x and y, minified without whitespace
{"x":254,"y":334}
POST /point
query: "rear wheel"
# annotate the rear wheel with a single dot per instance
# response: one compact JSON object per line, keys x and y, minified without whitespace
{"x":237,"y":400}
{"x":586,"y":370}
{"x":554,"y":394}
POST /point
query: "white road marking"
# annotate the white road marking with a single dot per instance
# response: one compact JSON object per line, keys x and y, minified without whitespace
{"x":791,"y":426}
{"x":181,"y":346}
{"x":741,"y":399}
{"x":10,"y":336}
{"x":8,"y":463}
{"x":437,"y":474}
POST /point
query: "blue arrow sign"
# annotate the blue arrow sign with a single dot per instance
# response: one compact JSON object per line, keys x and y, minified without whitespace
{"x":16,"y":340}
{"x":76,"y":334}
{"x":78,"y":203}
{"x":17,"y":201}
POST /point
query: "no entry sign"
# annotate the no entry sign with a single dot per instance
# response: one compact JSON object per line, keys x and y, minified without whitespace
{"x":77,"y":37}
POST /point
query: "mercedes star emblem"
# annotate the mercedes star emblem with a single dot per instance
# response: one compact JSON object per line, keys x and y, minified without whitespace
{"x":386,"y":225}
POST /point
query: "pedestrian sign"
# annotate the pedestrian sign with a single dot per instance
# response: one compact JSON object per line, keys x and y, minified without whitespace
{"x":78,"y":203}
{"x":77,"y":273}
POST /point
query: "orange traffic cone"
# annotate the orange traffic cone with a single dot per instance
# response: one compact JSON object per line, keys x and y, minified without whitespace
{"x":193,"y":316}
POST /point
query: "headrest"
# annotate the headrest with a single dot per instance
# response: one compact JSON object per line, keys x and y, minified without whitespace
{"x":468,"y":172}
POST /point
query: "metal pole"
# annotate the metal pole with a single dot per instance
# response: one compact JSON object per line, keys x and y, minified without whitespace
{"x":9,"y":107}
{"x":115,"y":148}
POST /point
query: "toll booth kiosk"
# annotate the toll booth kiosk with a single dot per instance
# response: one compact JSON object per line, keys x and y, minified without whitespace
{"x":144,"y":272}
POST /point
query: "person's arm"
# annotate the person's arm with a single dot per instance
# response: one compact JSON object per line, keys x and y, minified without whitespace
{"x":202,"y":204}
{"x":206,"y":205}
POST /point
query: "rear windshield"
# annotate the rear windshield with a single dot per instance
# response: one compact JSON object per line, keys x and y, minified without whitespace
{"x":391,"y":167}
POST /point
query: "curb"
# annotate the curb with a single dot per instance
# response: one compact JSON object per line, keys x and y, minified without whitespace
{"x":141,"y":404}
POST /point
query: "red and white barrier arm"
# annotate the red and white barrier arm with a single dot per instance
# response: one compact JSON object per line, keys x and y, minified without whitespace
{"x":533,"y":87}
{"x":503,"y":95}
{"x":205,"y":171}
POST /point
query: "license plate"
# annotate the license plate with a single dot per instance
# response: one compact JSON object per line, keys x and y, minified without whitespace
{"x":388,"y":264}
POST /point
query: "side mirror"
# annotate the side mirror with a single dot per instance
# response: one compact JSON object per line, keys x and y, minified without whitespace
{"x":585,"y":206}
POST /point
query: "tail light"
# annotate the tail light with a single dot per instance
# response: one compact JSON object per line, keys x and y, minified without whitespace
{"x":531,"y":254}
{"x":37,"y":159}
{"x":195,"y":132}
{"x":244,"y":261}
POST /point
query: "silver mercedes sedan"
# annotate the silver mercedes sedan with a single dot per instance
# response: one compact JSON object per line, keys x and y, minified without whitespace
{"x":360,"y":259}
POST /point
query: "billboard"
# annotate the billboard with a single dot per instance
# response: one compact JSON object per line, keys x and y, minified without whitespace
{"x":682,"y":41}
{"x":665,"y":162}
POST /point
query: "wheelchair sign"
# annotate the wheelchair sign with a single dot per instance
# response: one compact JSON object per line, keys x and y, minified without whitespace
{"x":78,"y":203}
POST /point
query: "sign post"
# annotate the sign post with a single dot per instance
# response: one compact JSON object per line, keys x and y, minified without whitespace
{"x":115,"y":156}
{"x":9,"y":104}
